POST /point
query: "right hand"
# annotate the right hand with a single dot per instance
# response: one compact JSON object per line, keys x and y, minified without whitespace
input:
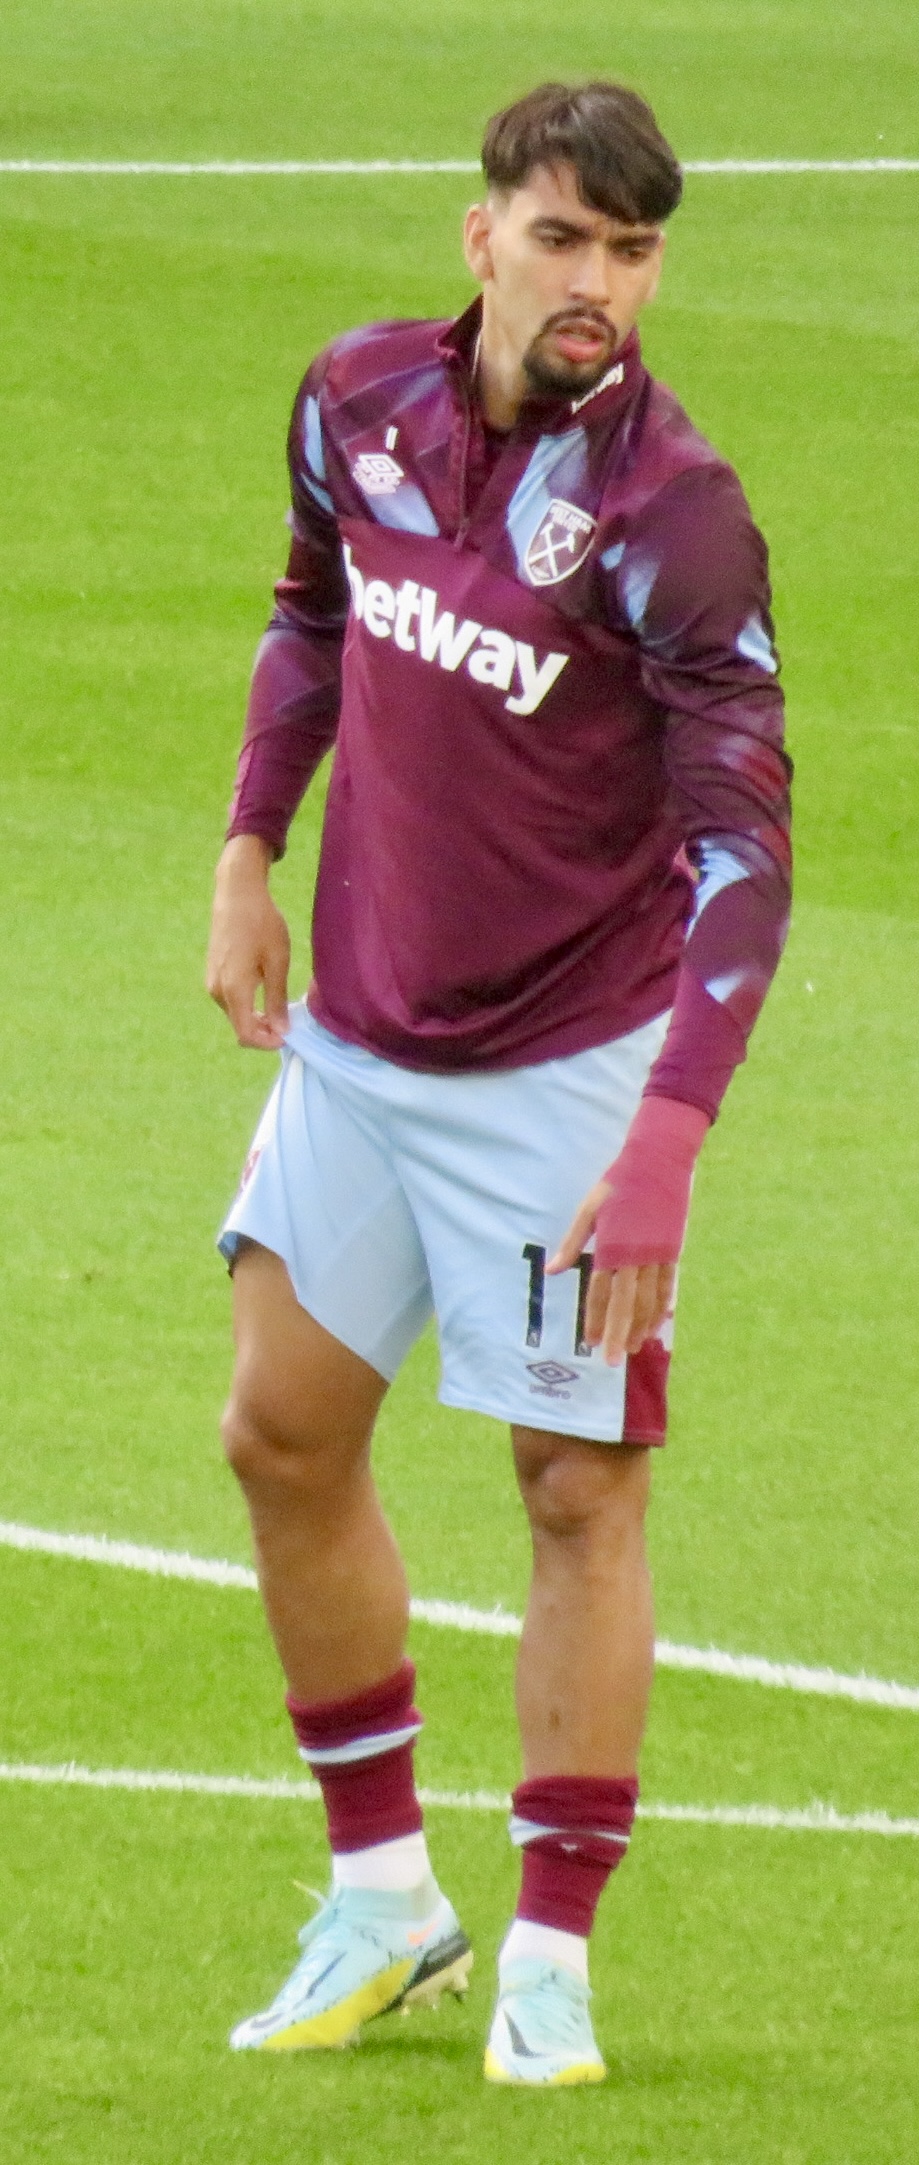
{"x":625,"y":1306}
{"x":249,"y":946}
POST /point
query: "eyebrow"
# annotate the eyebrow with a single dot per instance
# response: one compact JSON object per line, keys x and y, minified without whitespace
{"x":570,"y":229}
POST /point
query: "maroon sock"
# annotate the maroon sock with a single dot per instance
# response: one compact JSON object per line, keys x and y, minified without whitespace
{"x":360,"y":1751}
{"x":573,"y":1829}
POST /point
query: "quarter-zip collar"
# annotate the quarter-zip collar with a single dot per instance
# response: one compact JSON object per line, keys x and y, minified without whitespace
{"x":457,"y":347}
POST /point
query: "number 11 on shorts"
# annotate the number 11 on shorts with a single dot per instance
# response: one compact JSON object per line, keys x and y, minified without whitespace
{"x":536,"y":1257}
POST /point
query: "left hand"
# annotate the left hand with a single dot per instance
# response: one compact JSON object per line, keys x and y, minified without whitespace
{"x":625,"y":1307}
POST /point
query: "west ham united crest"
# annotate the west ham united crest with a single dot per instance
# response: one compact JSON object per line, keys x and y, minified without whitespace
{"x":560,"y":543}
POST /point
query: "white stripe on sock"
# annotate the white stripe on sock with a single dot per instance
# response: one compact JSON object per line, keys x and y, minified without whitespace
{"x":523,"y":1831}
{"x":342,"y":1755}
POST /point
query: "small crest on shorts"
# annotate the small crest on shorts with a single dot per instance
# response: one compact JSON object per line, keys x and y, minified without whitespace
{"x":250,"y":1165}
{"x":377,"y":474}
{"x":560,"y":543}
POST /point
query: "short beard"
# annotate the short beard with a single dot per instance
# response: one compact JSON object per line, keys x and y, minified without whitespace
{"x":556,"y":380}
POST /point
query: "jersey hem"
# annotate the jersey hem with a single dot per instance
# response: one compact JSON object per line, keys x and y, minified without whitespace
{"x":563,"y":1042}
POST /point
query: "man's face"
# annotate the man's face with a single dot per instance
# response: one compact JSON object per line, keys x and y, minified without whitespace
{"x":562,"y":284}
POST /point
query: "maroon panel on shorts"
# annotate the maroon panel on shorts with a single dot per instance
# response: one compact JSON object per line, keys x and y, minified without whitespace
{"x":645,"y":1417}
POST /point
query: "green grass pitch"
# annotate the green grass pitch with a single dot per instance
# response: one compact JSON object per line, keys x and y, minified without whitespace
{"x":756,"y":1991}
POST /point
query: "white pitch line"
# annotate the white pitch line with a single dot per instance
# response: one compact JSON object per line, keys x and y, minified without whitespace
{"x":789,"y":1676}
{"x":802,"y":165}
{"x":461,"y":1616}
{"x":128,"y":1555}
{"x":806,"y":1819}
{"x":243,"y":168}
{"x":238,"y":168}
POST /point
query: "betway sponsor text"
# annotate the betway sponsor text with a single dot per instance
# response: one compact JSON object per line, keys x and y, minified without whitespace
{"x":412,"y":617}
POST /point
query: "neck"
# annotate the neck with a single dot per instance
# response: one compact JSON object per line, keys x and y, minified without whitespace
{"x":500,"y":383}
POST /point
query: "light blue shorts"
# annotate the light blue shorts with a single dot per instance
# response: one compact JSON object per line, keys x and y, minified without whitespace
{"x":392,"y":1196}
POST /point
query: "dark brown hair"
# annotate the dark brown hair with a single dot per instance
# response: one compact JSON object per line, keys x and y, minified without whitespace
{"x":624,"y":165}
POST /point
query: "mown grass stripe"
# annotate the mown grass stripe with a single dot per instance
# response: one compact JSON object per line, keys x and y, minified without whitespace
{"x":461,"y":1616}
{"x":807,"y":1819}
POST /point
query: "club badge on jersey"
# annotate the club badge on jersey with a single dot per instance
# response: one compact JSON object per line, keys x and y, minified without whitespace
{"x":560,"y":543}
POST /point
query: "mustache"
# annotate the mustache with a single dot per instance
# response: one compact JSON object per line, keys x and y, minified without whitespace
{"x":573,"y":319}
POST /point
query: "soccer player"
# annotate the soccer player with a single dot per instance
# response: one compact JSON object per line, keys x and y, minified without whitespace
{"x":527,"y":603}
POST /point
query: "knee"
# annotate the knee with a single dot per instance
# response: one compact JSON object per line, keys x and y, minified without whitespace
{"x":573,"y":1490}
{"x":270,"y":1451}
{"x":247,"y":1448}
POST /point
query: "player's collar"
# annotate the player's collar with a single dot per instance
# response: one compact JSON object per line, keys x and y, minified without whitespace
{"x":458,"y":345}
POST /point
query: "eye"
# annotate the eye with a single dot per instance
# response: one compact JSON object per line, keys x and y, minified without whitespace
{"x":555,"y":238}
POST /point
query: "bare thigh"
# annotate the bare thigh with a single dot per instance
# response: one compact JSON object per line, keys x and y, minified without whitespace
{"x":296,"y":1389}
{"x":298,"y":1431}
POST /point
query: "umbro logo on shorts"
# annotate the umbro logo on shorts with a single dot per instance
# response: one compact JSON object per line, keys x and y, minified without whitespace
{"x":377,"y":474}
{"x":411,"y":616}
{"x":553,"y":1379}
{"x":551,"y":1371}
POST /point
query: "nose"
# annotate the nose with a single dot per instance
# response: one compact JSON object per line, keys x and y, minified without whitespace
{"x":590,"y":281}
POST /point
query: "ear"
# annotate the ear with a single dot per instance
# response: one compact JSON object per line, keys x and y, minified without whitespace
{"x":477,"y":226}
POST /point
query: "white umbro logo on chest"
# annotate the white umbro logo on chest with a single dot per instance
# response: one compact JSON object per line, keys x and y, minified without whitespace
{"x":377,"y":473}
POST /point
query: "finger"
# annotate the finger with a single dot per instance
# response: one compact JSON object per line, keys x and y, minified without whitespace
{"x":598,"y":1293}
{"x":262,"y":1034}
{"x":644,"y":1307}
{"x":571,"y":1249}
{"x":237,"y":998}
{"x":255,"y":1034}
{"x":619,"y":1310}
{"x":666,"y":1293}
{"x":215,"y":980}
{"x":276,"y":962}
{"x":251,"y":1028}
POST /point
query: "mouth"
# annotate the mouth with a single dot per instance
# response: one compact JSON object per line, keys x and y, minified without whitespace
{"x":570,"y":354}
{"x":581,"y":340}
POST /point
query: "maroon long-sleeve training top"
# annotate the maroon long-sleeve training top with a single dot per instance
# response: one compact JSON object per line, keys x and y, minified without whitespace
{"x":559,"y":799}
